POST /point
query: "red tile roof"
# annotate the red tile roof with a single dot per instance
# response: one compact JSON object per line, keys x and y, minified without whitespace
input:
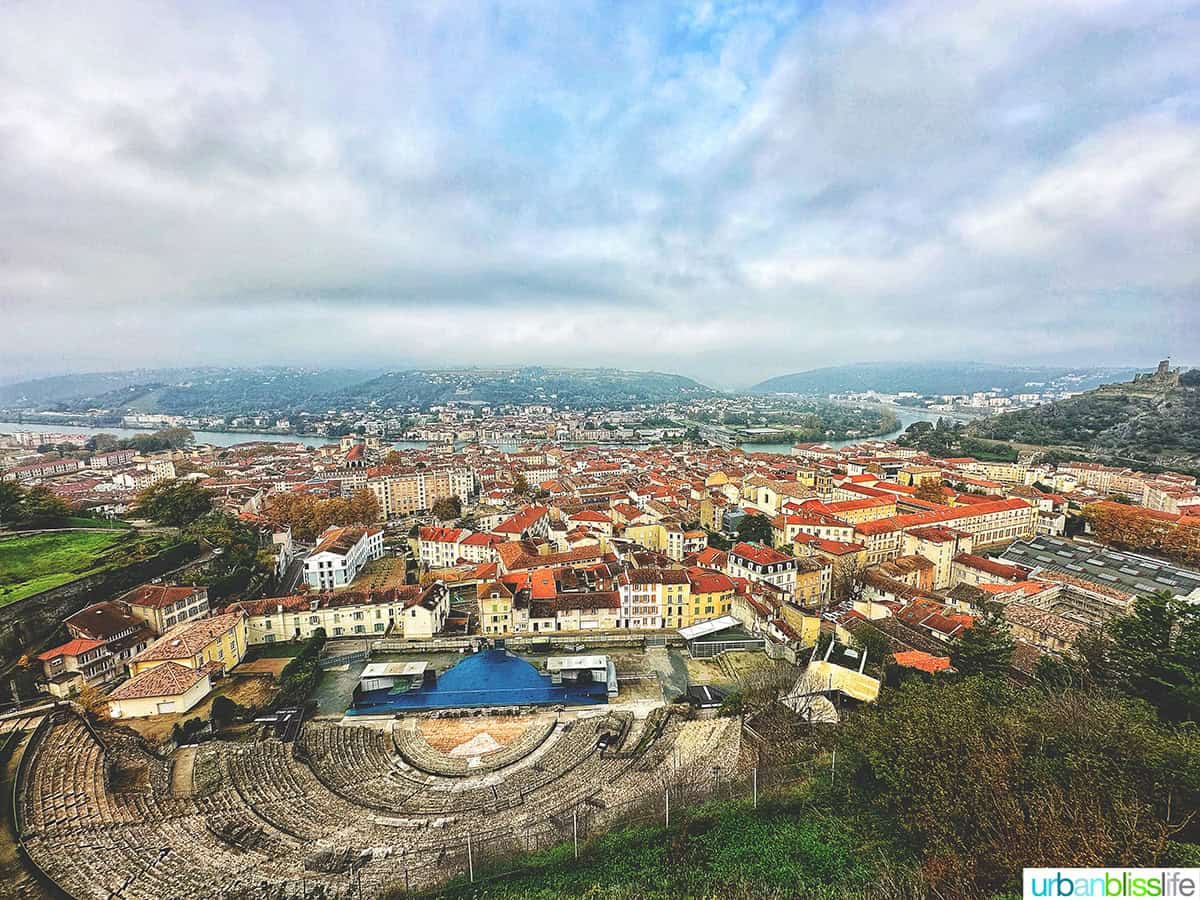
{"x":70,"y":648}
{"x":708,"y":581}
{"x":519,"y":523}
{"x":441,"y":535}
{"x":188,"y":639}
{"x":837,"y":548}
{"x":865,"y":503}
{"x":998,"y":569}
{"x":157,"y":596}
{"x":711,"y":556}
{"x":926,"y":662}
{"x":169,"y":679}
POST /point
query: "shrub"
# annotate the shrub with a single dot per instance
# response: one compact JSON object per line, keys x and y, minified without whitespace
{"x":977,"y":779}
{"x":302,"y":674}
{"x":224,"y":712}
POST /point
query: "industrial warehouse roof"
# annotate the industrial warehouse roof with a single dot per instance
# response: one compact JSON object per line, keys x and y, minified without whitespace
{"x":1103,"y":566}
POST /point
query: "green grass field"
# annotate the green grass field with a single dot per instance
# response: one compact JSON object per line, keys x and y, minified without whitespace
{"x":37,"y":562}
{"x":81,"y":522}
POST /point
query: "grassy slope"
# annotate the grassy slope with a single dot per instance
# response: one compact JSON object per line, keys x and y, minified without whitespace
{"x":783,"y":849}
{"x":84,"y":522}
{"x":36,"y":562}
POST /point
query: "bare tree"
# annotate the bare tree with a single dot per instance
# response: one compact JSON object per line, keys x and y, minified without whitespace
{"x":849,"y":581}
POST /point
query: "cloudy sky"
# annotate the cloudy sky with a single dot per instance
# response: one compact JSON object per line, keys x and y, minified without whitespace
{"x":728,"y":190}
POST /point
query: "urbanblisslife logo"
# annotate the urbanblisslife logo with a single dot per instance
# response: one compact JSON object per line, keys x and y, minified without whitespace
{"x":1111,"y":883}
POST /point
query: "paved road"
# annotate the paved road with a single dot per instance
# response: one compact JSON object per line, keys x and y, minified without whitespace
{"x":291,"y":578}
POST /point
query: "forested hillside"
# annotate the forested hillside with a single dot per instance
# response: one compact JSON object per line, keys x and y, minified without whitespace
{"x":289,"y":390}
{"x":1157,"y":424}
{"x":553,"y":387}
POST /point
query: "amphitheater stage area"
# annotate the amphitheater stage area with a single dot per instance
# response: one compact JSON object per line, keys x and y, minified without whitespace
{"x":344,"y":807}
{"x":637,"y":677}
{"x":491,"y":678}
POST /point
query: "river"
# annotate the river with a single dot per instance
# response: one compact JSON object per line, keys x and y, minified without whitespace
{"x":905,"y":415}
{"x":229,"y":438}
{"x":216,"y":438}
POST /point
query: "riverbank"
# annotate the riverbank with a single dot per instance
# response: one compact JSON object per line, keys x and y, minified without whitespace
{"x":232,"y":438}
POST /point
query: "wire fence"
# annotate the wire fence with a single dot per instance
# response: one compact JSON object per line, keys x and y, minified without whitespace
{"x":482,"y":861}
{"x":473,"y":858}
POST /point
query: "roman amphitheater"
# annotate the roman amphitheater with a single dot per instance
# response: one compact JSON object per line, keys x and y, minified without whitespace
{"x":343,"y":809}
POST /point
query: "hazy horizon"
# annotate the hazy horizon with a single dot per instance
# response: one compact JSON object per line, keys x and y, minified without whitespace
{"x":727,"y":191}
{"x":719,"y":386}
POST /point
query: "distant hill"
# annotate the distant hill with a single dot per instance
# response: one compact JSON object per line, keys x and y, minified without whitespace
{"x":200,"y":391}
{"x":554,"y":387}
{"x":41,"y":391}
{"x":933,"y":378}
{"x":1155,"y":420}
{"x":226,"y":391}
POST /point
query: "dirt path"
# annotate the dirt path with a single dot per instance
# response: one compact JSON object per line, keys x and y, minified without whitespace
{"x":181,"y":773}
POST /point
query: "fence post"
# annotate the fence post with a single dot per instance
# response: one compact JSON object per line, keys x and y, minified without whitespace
{"x":833,"y":765}
{"x":756,"y":787}
{"x":667,"y":794}
{"x":470,"y":859}
{"x":575,"y":829}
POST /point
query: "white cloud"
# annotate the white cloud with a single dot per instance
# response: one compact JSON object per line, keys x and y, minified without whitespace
{"x":730,"y":190}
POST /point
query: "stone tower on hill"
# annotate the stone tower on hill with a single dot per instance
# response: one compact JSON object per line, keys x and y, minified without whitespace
{"x":1163,"y":376}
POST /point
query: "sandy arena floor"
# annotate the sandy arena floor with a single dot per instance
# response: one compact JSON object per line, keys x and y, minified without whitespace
{"x":446,"y":734}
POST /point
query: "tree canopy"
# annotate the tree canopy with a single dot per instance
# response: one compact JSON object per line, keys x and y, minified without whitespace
{"x":979,"y":778}
{"x":930,"y":491}
{"x":1139,"y":529}
{"x":173,"y":502}
{"x":309,"y":516}
{"x":32,"y":507}
{"x":237,"y":569}
{"x":755,"y":529}
{"x":447,"y":508}
{"x":986,"y":648}
{"x":1152,"y":654}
